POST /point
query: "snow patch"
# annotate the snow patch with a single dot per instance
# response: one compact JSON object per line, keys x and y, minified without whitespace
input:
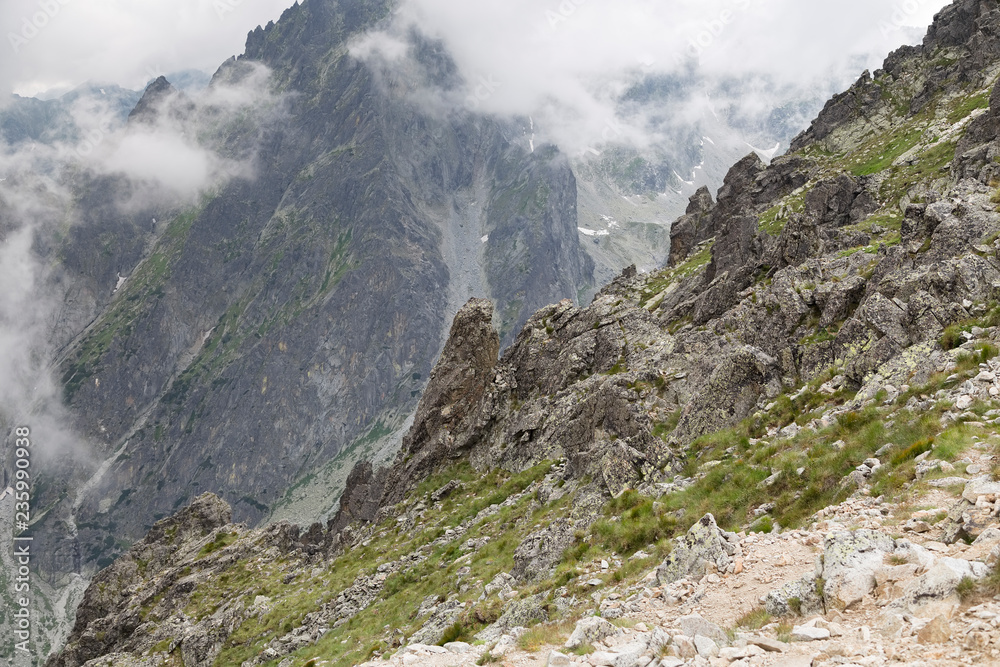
{"x":594,"y":232}
{"x":767,"y":155}
{"x":485,"y":238}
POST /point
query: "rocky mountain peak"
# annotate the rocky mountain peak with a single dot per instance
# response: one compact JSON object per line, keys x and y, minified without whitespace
{"x":157,"y":93}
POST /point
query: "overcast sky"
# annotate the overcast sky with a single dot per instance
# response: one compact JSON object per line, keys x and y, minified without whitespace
{"x":533,"y":45}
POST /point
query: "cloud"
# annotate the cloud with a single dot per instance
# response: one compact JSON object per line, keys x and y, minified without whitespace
{"x":52,"y":44}
{"x":568,"y":62}
{"x":168,"y":150}
{"x":29,"y":395}
{"x":169,"y":159}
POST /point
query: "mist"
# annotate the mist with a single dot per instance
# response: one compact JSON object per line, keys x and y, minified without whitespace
{"x":166,"y":159}
{"x":569,"y":65}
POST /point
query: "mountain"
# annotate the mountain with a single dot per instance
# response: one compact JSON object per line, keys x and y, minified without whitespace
{"x":293,"y":312}
{"x":799,"y":408}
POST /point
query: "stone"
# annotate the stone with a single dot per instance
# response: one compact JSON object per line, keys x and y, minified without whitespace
{"x":703,"y":544}
{"x":694,"y":625}
{"x":804,"y":633}
{"x":980,"y":486}
{"x":541,"y":551}
{"x":768,"y":644}
{"x":850,"y":561}
{"x":457,"y":647}
{"x":433,"y":629}
{"x":706,"y":647}
{"x":685,"y":646}
{"x":795,"y":597}
{"x":591,"y":630}
{"x":603,"y":659}
{"x":557,"y":659}
{"x":938,"y":631}
{"x":934,"y":592}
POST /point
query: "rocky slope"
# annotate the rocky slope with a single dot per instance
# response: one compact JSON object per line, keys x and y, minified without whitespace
{"x":823,"y":345}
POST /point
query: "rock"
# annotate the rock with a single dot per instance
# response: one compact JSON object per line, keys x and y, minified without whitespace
{"x":964,"y":402}
{"x":457,"y":647}
{"x":603,"y":659}
{"x":768,"y":644}
{"x":938,"y":631}
{"x":591,"y":630}
{"x":541,"y":551}
{"x":685,"y":646}
{"x":517,"y":613}
{"x":980,"y":486}
{"x":694,"y":625}
{"x":934,"y":592}
{"x":706,"y":647}
{"x":557,"y":659}
{"x":671,"y":662}
{"x":705,"y":543}
{"x":795,"y":597}
{"x":433,"y":629}
{"x":804,"y":633}
{"x":500,"y":586}
{"x":631,"y":654}
{"x":850,"y":561}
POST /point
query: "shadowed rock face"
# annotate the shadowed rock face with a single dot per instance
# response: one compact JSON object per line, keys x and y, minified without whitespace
{"x":276,"y":323}
{"x":457,"y":384}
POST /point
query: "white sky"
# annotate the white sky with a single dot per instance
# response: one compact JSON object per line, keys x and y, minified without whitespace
{"x":127,"y":42}
{"x":532,"y":45}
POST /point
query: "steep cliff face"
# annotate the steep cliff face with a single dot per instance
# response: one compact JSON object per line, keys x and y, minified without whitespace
{"x":298,"y":310}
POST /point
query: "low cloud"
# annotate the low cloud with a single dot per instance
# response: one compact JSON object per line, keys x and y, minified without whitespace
{"x":53,"y":44}
{"x":177,"y":152}
{"x":569,"y":63}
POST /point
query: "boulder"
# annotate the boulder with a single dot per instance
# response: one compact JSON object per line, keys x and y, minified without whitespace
{"x":934,"y":592}
{"x":938,"y":631}
{"x":589,"y":631}
{"x":433,"y":629}
{"x":557,"y":659}
{"x":850,"y":561}
{"x":704,"y":543}
{"x":795,"y":597}
{"x":694,"y":625}
{"x":541,"y":551}
{"x":517,"y":613}
{"x":981,"y":486}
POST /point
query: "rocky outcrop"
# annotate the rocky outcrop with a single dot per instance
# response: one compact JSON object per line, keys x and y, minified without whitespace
{"x":456,"y":386}
{"x":704,"y":548}
{"x":692,"y":228}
